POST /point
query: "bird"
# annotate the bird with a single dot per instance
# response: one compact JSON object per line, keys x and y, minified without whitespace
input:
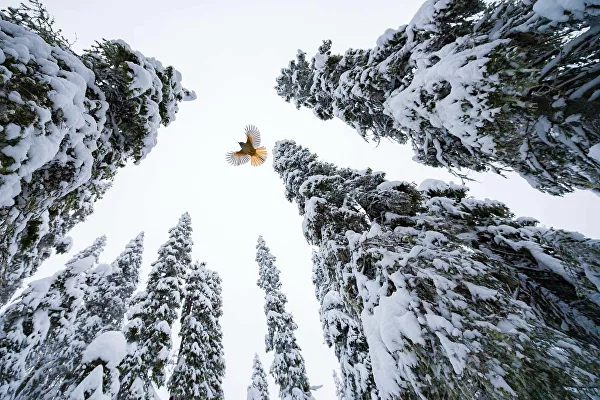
{"x":249,"y":149}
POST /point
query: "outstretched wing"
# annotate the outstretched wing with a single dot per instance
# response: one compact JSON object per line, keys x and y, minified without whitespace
{"x":259,"y":157}
{"x":253,"y":135}
{"x":237,"y":158}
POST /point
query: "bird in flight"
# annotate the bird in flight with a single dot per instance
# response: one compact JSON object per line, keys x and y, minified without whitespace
{"x":249,"y":150}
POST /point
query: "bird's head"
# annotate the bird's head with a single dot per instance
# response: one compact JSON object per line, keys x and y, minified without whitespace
{"x":241,"y":144}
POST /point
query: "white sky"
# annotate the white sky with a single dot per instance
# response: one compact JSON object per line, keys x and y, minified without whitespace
{"x":230,"y":53}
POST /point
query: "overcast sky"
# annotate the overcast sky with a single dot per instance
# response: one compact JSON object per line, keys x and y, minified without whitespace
{"x":230,"y":53}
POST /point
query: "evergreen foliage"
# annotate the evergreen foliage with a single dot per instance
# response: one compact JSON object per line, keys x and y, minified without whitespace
{"x":259,"y":388}
{"x":152,"y":314}
{"x":456,"y":298}
{"x":288,"y":364}
{"x":487,"y":86}
{"x":40,"y":332}
{"x":200,"y":365}
{"x":70,"y":122}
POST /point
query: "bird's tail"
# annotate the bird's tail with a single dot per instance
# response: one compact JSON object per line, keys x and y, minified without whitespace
{"x":259,"y":157}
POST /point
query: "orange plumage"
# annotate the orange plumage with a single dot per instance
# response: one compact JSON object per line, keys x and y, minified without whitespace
{"x":249,"y":149}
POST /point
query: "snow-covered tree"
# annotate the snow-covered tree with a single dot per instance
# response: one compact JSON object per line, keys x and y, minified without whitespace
{"x":288,"y":364}
{"x":45,"y":336}
{"x":40,"y":328}
{"x":340,"y":388}
{"x":98,"y":376}
{"x":473,"y":84}
{"x":107,"y":292}
{"x":70,"y":122}
{"x":343,"y":332}
{"x":122,"y":282}
{"x":152,"y":314}
{"x":200,"y":365}
{"x":447,"y":288}
{"x":259,"y":388}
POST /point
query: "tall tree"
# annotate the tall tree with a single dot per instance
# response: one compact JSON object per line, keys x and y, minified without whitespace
{"x":340,"y":388}
{"x":447,"y":288}
{"x":98,"y":376}
{"x":288,"y":364}
{"x":41,"y":326}
{"x":200,"y":365}
{"x":259,"y":388}
{"x":107,"y":292}
{"x":473,"y":84}
{"x":343,"y":332}
{"x":70,"y":123}
{"x":122,"y":282}
{"x":152,"y":314}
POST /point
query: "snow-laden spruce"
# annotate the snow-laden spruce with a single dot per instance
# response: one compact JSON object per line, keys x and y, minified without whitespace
{"x":487,"y":86}
{"x":152,"y":315}
{"x":68,"y":123}
{"x":108,"y":290}
{"x":259,"y":388}
{"x":99,"y":373}
{"x":343,"y":332}
{"x":200,"y":365}
{"x":45,"y":333}
{"x":456,"y":298}
{"x":288,"y":367}
{"x":340,"y":388}
{"x":40,"y":328}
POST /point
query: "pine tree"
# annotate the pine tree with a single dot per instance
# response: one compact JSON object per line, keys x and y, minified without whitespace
{"x":152,"y":314}
{"x":39,"y":328}
{"x":340,"y":388}
{"x":71,"y":122}
{"x":487,"y":86}
{"x":343,"y":333}
{"x":122,"y":282}
{"x":108,"y":290}
{"x":442,"y":287}
{"x":288,"y":364}
{"x":259,"y":388}
{"x":200,"y":365}
{"x":98,"y":374}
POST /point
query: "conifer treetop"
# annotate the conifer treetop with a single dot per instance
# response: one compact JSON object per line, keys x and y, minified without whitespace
{"x":259,"y":388}
{"x":74,"y":120}
{"x":288,"y":367}
{"x":200,"y":365}
{"x":153,"y":313}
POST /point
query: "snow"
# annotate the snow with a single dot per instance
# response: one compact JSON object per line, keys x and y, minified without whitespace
{"x":387,"y":185}
{"x":594,"y":152}
{"x":320,"y":60}
{"x":437,"y":185}
{"x":456,"y":352}
{"x":463,"y":70}
{"x":387,"y":35}
{"x":425,"y":15}
{"x":499,"y":383}
{"x":67,"y":242}
{"x":82,"y":264}
{"x":480,"y":292}
{"x":92,"y":382}
{"x":70,"y":127}
{"x":561,"y":10}
{"x":385,"y":370}
{"x":430,"y":294}
{"x":506,"y":326}
{"x":437,"y":322}
{"x":141,"y":79}
{"x":110,"y":347}
{"x":253,"y":394}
